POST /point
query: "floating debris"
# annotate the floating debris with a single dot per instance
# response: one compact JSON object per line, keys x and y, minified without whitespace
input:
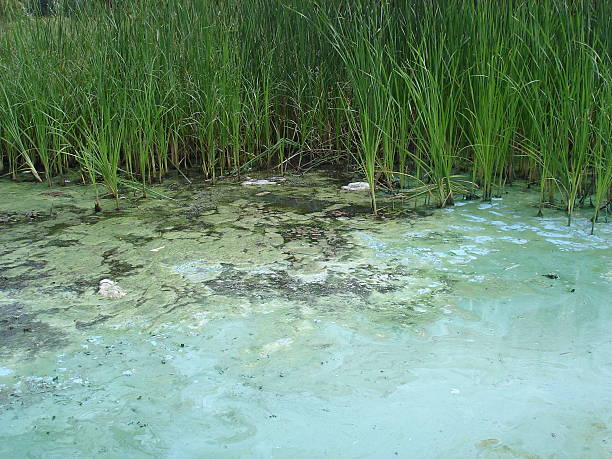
{"x":263,"y":182}
{"x":357,"y":186}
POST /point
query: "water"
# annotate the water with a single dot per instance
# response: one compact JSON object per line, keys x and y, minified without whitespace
{"x":291,"y":324}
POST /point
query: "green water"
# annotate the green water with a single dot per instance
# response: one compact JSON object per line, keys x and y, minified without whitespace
{"x":285,"y":322}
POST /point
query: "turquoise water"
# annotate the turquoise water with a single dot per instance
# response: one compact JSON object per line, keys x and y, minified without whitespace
{"x":286,"y":322}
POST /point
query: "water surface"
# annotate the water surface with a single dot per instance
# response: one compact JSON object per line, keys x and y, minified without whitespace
{"x":286,"y":322}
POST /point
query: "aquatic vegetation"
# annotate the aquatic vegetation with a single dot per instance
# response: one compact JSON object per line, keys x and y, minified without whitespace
{"x":10,"y":9}
{"x":431,"y":98}
{"x":258,"y":316}
{"x":433,"y":91}
{"x":493,"y":98}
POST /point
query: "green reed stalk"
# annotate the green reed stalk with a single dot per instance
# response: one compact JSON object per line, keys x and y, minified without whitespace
{"x":423,"y":90}
{"x":431,"y":82}
{"x":602,"y":157}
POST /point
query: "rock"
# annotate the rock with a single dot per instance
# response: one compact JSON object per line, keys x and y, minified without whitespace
{"x":357,"y":186}
{"x":110,"y":289}
{"x":551,"y":276}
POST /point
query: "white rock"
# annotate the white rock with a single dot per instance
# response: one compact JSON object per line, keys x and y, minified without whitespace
{"x":110,"y":289}
{"x":357,"y":186}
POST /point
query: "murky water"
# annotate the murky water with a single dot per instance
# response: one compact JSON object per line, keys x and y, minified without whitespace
{"x":285,"y":322}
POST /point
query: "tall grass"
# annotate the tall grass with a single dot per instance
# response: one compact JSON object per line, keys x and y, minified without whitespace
{"x":361,"y":48}
{"x":492,"y":96}
{"x":601,"y":151}
{"x":10,"y":9}
{"x":432,"y":97}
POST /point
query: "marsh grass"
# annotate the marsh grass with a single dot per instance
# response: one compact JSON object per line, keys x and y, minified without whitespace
{"x":433,"y":98}
{"x":602,"y":157}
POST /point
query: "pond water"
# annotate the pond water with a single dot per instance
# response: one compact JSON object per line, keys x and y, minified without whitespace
{"x":284,"y":321}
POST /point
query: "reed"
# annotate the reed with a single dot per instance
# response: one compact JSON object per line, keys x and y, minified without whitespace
{"x":602,"y":158}
{"x":361,"y":52}
{"x":492,"y":96}
{"x":431,"y":83}
{"x":11,"y":9}
{"x":424,"y":96}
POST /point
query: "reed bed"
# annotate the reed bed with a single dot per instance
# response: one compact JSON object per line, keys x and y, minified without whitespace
{"x":439,"y":98}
